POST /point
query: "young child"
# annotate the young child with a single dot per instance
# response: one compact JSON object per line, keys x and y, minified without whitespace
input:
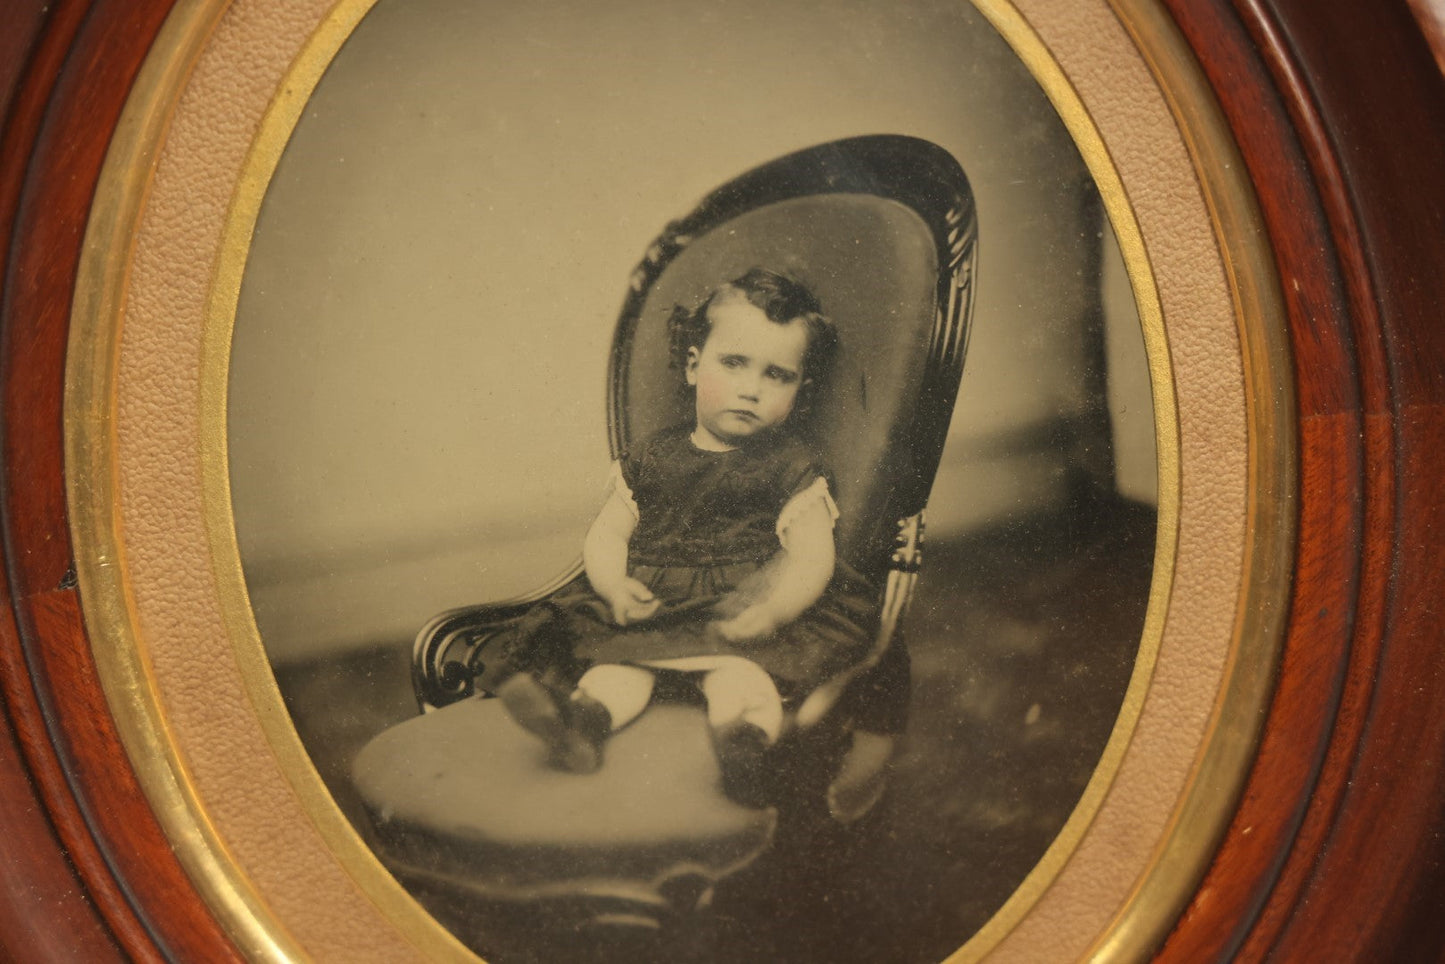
{"x":712,"y":555}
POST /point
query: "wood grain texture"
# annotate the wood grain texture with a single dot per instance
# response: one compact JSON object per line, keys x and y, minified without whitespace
{"x":1431,"y":16}
{"x":1337,"y":851}
{"x":1374,"y":888}
{"x":83,"y":61}
{"x":48,"y":909}
{"x":45,"y":912}
{"x":1359,"y":874}
{"x":1332,"y":472}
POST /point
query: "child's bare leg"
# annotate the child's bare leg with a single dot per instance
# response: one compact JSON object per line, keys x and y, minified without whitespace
{"x":746,"y":715}
{"x":624,"y":690}
{"x":740,"y":690}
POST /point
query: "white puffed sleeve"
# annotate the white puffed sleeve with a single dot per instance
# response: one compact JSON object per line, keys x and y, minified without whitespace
{"x":815,"y":499}
{"x":617,"y":484}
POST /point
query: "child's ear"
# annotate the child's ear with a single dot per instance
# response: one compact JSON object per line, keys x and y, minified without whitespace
{"x":689,"y":369}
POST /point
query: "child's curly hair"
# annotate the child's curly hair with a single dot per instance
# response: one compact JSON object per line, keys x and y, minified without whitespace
{"x":782,"y":299}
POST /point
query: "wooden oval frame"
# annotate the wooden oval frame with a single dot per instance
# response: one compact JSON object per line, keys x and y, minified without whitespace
{"x":1335,"y":849}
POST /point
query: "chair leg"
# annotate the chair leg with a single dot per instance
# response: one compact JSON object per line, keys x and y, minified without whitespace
{"x":862,"y":778}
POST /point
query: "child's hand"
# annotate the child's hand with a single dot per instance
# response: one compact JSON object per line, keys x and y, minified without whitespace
{"x":748,"y":624}
{"x":632,"y":602}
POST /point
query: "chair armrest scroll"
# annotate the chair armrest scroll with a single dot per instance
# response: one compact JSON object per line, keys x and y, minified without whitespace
{"x":897,"y":594}
{"x":446,"y":657}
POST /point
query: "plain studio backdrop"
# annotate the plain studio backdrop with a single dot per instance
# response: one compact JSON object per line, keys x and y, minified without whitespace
{"x":417,"y":409}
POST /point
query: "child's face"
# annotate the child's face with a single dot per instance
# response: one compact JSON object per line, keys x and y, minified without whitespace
{"x":747,"y":373}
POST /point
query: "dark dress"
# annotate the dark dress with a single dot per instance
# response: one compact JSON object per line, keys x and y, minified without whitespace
{"x":707,"y":528}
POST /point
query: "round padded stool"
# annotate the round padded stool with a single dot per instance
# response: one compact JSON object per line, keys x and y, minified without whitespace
{"x":464,"y":797}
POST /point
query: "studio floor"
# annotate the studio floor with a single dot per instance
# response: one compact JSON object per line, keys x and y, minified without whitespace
{"x":1022,"y":640}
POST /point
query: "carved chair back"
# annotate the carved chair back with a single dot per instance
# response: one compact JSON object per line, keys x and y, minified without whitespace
{"x":883,"y":229}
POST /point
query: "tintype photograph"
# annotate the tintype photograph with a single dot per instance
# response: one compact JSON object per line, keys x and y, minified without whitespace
{"x":694,"y":466}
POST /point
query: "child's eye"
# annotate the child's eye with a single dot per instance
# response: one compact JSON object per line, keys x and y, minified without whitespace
{"x":782,"y":375}
{"x":733,"y":361}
